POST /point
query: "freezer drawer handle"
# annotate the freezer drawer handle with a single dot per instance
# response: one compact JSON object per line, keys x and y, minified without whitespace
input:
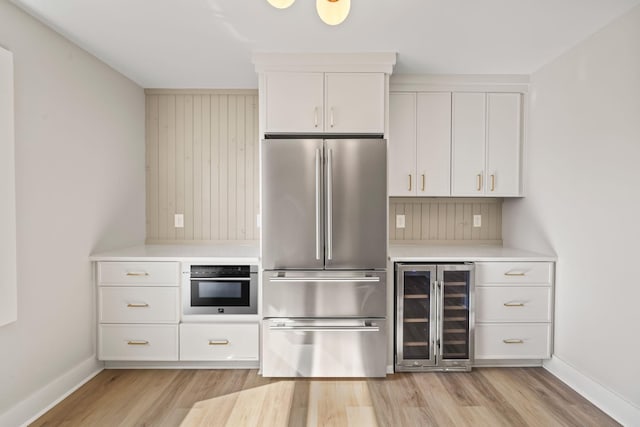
{"x":326,"y":328}
{"x":325,"y":279}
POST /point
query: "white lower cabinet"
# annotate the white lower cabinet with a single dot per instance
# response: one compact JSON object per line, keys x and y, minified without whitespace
{"x":513,"y":311}
{"x":513,"y":341}
{"x":138,"y":342}
{"x":138,"y":311}
{"x":219,"y":342}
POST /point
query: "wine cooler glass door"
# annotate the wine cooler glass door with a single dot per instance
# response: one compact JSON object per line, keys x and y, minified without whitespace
{"x":455,"y":314}
{"x":416,"y":331}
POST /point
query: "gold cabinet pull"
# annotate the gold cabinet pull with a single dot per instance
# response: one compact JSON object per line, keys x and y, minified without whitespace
{"x":137,"y":342}
{"x":138,"y":305}
{"x":409,"y":182}
{"x":513,"y":304}
{"x":423,"y":182}
{"x":331,"y":116}
{"x":515,"y":273}
{"x":493,"y":183}
{"x":137,"y":273}
{"x":479,"y":181}
{"x":218,"y":342}
{"x":315,"y":117}
{"x":513,"y":341}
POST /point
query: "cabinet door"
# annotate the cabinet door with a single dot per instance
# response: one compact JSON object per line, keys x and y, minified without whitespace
{"x":468,"y":148}
{"x":402,"y":144}
{"x":433,"y":169}
{"x":294,"y":102}
{"x":503,"y":144}
{"x":354,"y":103}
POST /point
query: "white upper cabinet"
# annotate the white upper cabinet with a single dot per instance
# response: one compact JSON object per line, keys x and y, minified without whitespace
{"x":294,"y":102}
{"x":503,"y":144}
{"x":419,"y":144}
{"x":486,"y":143}
{"x":433,"y":154}
{"x":354,"y":103}
{"x":402,"y":144}
{"x":304,"y":102}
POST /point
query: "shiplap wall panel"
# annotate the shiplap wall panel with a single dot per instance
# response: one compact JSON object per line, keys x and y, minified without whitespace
{"x":446,"y":219}
{"x":202,"y":161}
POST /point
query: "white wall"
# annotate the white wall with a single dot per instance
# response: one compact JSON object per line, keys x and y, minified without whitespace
{"x":79,"y":148}
{"x":583,"y":201}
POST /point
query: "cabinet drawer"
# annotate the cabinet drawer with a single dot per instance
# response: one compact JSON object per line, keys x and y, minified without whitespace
{"x":499,"y":273}
{"x":222,"y":341}
{"x":513,"y":304}
{"x":139,"y":304}
{"x":138,"y":342}
{"x":139,"y":273}
{"x":513,"y":341}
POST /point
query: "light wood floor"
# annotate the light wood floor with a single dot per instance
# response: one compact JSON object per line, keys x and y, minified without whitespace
{"x":484,"y":397}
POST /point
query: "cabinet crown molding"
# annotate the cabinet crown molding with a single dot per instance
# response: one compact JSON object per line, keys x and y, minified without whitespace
{"x":518,"y":83}
{"x":376,"y":62}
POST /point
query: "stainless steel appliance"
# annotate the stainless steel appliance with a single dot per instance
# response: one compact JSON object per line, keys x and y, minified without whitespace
{"x":434,"y":317}
{"x":219,"y":290}
{"x":324,"y":249}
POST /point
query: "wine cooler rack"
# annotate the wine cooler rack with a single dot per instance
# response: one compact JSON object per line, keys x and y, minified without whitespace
{"x":434,"y":317}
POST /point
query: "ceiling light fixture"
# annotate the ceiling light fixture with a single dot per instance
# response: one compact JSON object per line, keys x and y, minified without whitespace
{"x":332,"y":12}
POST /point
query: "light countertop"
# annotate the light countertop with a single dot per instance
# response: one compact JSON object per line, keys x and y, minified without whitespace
{"x":200,"y":253}
{"x":459,"y":253}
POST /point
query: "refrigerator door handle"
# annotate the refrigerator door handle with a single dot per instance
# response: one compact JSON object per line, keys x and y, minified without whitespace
{"x":329,"y":205}
{"x":375,"y":279}
{"x":318,"y":167}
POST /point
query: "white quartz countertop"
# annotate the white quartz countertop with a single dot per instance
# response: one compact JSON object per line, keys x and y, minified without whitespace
{"x":201,"y":253}
{"x":459,"y":253}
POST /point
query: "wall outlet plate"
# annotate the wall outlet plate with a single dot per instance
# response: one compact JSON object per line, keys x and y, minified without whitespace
{"x":477,"y":220}
{"x":399,"y":221}
{"x":178,"y":220}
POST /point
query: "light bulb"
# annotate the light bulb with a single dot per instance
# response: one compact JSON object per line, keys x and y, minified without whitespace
{"x":333,"y":12}
{"x":281,"y":4}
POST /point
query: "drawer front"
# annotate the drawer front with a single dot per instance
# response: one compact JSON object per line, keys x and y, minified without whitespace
{"x":138,"y":342}
{"x":221,"y":341}
{"x":139,"y":273}
{"x":513,"y":341}
{"x":139,"y":304}
{"x":508,"y":273}
{"x":513,"y":304}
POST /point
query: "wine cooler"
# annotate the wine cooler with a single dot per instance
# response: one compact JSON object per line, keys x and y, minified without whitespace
{"x":434,"y":317}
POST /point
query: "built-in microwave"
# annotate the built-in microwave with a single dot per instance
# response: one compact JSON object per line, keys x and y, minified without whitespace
{"x":219,"y":289}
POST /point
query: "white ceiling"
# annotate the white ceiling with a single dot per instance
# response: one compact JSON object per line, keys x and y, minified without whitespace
{"x":208,"y":43}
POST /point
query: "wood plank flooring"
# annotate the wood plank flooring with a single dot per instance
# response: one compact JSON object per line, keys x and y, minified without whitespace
{"x":484,"y":397}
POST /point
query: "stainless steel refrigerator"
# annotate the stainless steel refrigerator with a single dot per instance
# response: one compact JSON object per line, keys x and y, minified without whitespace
{"x":324,"y":250}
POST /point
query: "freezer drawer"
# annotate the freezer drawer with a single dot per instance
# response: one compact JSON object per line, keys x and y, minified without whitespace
{"x":324,"y":294}
{"x":324,"y":348}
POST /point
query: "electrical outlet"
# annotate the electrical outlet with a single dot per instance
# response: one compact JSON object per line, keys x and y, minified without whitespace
{"x":178,"y":220}
{"x":477,"y":220}
{"x":399,"y":221}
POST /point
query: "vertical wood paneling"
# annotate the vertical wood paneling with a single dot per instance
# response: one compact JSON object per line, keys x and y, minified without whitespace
{"x":202,"y":161}
{"x":152,"y":166}
{"x":163,"y":163}
{"x":188,"y":170}
{"x":180,"y":153}
{"x":446,"y":219}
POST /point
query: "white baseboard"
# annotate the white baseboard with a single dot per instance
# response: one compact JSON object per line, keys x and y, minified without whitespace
{"x":34,"y":406}
{"x":618,"y":408}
